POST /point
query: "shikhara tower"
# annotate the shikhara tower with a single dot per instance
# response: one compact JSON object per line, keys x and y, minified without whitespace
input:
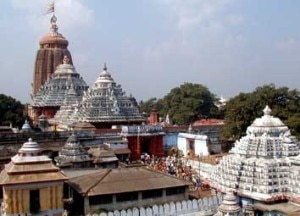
{"x":264,"y":164}
{"x":53,"y":48}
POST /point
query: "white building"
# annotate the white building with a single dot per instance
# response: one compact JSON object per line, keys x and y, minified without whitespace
{"x":193,"y":144}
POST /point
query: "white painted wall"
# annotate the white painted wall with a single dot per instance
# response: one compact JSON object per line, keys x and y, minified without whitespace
{"x":200,"y":143}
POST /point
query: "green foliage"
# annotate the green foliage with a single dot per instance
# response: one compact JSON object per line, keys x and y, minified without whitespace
{"x":11,"y":111}
{"x":148,"y":105}
{"x":184,"y":104}
{"x":241,"y":110}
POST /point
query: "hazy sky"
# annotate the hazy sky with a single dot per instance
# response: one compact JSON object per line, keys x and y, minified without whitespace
{"x":151,"y":46}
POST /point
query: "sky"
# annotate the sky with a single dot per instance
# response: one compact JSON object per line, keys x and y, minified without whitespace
{"x":152,"y":46}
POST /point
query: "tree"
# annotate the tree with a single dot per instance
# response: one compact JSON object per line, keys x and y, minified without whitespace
{"x":11,"y":111}
{"x":189,"y":102}
{"x":241,"y":110}
{"x":148,"y":105}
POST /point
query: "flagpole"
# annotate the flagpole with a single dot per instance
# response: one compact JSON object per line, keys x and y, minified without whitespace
{"x":53,"y":7}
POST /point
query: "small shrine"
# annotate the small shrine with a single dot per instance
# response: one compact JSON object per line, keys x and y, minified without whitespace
{"x":31,"y":184}
{"x":73,"y":155}
{"x":26,"y":128}
{"x":229,"y":206}
{"x":105,"y":104}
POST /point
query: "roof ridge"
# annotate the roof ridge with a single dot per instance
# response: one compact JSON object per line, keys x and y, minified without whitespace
{"x":97,"y":182}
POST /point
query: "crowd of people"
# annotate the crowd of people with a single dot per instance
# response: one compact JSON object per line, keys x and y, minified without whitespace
{"x":173,"y":165}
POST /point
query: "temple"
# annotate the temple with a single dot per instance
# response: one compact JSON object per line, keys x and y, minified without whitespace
{"x":229,"y":206}
{"x":32,"y":185}
{"x":105,"y":104}
{"x":53,"y":48}
{"x":144,"y":139}
{"x":65,"y":87}
{"x":264,"y":164}
{"x":73,"y":155}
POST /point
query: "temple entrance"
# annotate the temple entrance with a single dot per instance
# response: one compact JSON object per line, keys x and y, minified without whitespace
{"x":191,"y":147}
{"x":35,"y":201}
{"x":145,"y":143}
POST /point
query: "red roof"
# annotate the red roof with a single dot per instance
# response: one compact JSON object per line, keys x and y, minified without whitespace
{"x":209,"y":122}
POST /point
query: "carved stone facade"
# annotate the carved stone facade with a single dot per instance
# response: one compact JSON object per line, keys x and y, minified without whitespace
{"x":65,"y":88}
{"x":53,"y":48}
{"x":73,"y":155}
{"x":264,"y":164}
{"x":229,"y":206}
{"x":105,"y":104}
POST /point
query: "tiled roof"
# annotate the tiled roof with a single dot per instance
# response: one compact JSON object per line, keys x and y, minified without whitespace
{"x":123,"y":180}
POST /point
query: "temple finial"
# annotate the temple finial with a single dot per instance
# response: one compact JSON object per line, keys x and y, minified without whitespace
{"x":267,"y":110}
{"x":53,"y":27}
{"x":66,"y":60}
{"x":105,"y":68}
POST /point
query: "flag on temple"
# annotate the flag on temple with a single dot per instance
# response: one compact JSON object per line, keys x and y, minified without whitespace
{"x":50,"y":8}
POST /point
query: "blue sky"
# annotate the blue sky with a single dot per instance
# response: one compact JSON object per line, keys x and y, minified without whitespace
{"x":151,"y":46}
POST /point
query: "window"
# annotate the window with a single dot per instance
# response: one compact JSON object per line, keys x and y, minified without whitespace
{"x":151,"y":194}
{"x":100,"y":199}
{"x":175,"y":190}
{"x":127,"y":196}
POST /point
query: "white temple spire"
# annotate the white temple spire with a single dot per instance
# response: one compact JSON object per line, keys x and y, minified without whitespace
{"x":267,"y":111}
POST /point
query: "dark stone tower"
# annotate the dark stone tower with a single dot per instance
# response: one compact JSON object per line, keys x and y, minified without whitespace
{"x":53,"y":48}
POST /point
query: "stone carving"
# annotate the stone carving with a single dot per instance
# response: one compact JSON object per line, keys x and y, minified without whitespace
{"x":262,"y":164}
{"x":73,"y":154}
{"x":64,"y":88}
{"x":105,"y":101}
{"x":53,"y":47}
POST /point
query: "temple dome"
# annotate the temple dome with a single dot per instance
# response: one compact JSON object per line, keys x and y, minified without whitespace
{"x":65,"y":83}
{"x":267,"y":124}
{"x":65,"y":68}
{"x":30,"y":148}
{"x":229,"y":205}
{"x":30,"y":152}
{"x":73,"y":154}
{"x":105,"y":103}
{"x":53,"y":37}
{"x":104,"y":77}
{"x":26,"y":127}
{"x":261,"y":162}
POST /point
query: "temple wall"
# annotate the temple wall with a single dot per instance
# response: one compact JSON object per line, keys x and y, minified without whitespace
{"x":205,"y":206}
{"x":139,"y":202}
{"x":134,"y":146}
{"x":156,"y":146}
{"x":199,"y":142}
{"x":17,"y":201}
